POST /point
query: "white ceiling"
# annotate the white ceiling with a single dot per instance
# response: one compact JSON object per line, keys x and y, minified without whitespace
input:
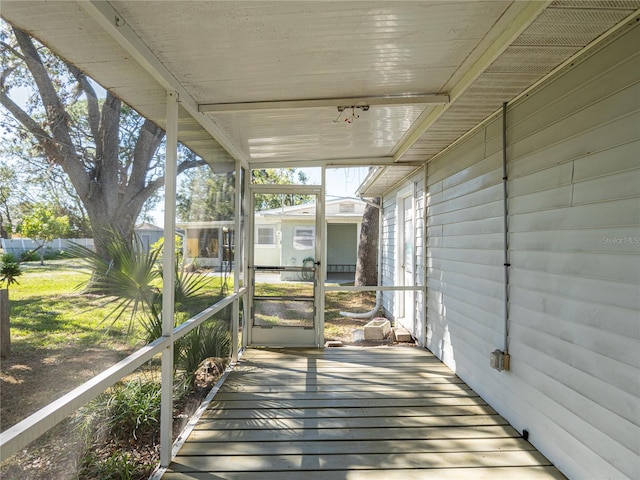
{"x":477,"y":54}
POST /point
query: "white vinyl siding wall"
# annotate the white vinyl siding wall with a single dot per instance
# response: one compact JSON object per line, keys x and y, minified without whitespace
{"x":574,"y":188}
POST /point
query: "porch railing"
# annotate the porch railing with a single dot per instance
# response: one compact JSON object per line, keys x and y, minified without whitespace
{"x":20,"y":435}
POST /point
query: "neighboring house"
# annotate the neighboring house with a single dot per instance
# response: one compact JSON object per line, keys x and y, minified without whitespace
{"x":208,"y":244}
{"x":148,"y":234}
{"x":287,"y":236}
{"x":284,"y":236}
{"x":572,"y":321}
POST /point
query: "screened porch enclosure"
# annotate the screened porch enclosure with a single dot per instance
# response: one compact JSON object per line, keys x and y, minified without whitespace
{"x":417,"y":92}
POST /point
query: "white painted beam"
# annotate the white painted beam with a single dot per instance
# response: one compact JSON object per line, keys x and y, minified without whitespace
{"x":402,"y":99}
{"x":379,"y":288}
{"x":334,"y":162}
{"x":238,"y":246}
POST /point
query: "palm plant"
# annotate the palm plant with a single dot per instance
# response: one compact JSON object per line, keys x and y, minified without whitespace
{"x":209,"y":340}
{"x":133,"y":276}
{"x":129,"y":273}
{"x":9,"y":271}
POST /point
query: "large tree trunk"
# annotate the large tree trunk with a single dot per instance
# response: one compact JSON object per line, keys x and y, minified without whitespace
{"x":112,"y":182}
{"x":3,"y":232}
{"x":367,"y":264}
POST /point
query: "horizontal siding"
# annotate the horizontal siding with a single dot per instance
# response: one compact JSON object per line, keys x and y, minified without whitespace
{"x":574,"y":222}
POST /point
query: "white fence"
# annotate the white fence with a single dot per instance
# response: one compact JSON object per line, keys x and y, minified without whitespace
{"x":18,"y":246}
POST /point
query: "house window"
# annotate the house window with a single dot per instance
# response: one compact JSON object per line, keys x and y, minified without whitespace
{"x":203,"y":243}
{"x":304,"y":238}
{"x":266,"y":236}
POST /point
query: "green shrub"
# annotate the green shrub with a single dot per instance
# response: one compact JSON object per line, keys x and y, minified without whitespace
{"x":9,"y":271}
{"x":29,"y":256}
{"x":118,"y":466}
{"x":129,"y":273}
{"x":128,"y":410}
{"x":8,"y":258}
{"x":51,"y":254}
{"x":211,"y":339}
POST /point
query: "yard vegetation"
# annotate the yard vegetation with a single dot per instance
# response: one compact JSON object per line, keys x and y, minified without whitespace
{"x":60,"y":339}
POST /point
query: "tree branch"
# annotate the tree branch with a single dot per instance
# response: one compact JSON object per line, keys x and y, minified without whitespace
{"x":5,"y":74}
{"x":12,"y":50}
{"x":149,"y":138}
{"x":93,"y":107}
{"x":56,"y":114}
{"x":154,"y":185}
{"x":48,"y":144}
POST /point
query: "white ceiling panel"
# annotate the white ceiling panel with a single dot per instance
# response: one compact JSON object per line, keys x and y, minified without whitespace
{"x":478,"y":53}
{"x":326,"y":133}
{"x":258,"y":51}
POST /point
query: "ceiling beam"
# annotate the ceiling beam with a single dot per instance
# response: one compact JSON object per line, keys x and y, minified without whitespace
{"x":347,"y":102}
{"x":116,"y":26}
{"x":333,"y":162}
{"x":527,"y":14}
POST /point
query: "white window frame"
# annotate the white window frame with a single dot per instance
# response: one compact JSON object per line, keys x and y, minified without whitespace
{"x":273,"y":236}
{"x":297,"y":237}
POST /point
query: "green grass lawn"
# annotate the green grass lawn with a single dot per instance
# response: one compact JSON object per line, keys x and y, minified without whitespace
{"x":60,"y":339}
{"x":59,"y":336}
{"x":49,"y":310}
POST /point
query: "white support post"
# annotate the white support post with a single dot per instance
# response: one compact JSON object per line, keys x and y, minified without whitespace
{"x":238,"y":247}
{"x":321,"y":247}
{"x":168,"y":288}
{"x":247,"y":214}
{"x":424,"y":252}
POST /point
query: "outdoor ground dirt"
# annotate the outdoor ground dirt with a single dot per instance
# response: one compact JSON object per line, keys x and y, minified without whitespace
{"x":31,"y":380}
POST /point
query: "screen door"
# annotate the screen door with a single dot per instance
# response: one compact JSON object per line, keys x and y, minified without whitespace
{"x":284,"y":266}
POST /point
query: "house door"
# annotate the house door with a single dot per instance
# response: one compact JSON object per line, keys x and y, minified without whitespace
{"x":407,"y":262}
{"x":283,"y":288}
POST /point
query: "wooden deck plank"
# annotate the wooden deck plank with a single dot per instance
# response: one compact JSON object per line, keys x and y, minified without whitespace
{"x":352,"y":414}
{"x":349,"y":412}
{"x":298,"y":401}
{"x":343,"y":377}
{"x":381,"y":447}
{"x":475,"y":473}
{"x":356,"y":434}
{"x":365,"y":461}
{"x":282,"y":387}
{"x":342,"y":422}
